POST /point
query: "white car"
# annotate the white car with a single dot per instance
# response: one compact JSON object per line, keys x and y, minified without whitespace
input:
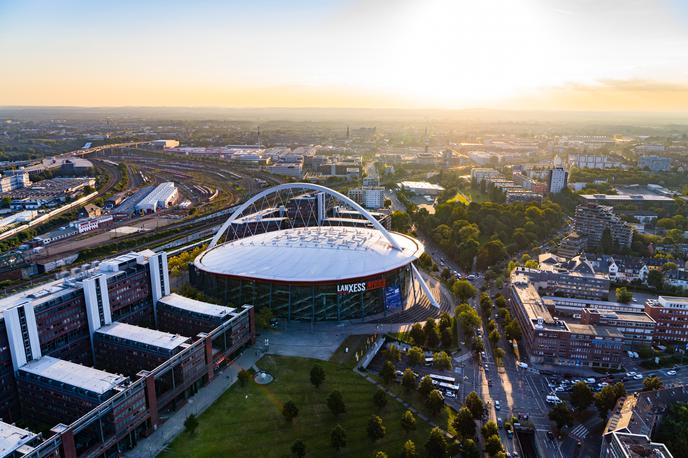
{"x":638,"y":377}
{"x":497,"y":405}
{"x":630,"y":374}
{"x":671,"y":372}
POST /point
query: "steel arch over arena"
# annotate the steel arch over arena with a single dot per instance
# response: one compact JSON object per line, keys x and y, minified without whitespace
{"x":310,"y":253}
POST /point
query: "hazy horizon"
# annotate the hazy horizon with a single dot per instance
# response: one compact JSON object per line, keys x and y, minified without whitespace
{"x":560,"y":55}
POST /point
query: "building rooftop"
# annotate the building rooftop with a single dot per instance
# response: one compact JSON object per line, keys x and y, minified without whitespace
{"x":12,"y":438}
{"x":143,"y":335}
{"x":86,"y":378}
{"x":639,"y":446}
{"x":534,"y":306}
{"x":192,"y":305}
{"x":310,"y":254}
{"x":592,"y":330}
{"x":626,"y":198}
{"x":421,"y":185}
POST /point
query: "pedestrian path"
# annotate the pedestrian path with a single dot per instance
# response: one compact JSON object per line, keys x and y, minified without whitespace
{"x":158,"y":441}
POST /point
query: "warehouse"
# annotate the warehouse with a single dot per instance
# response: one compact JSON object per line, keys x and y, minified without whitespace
{"x":163,"y":196}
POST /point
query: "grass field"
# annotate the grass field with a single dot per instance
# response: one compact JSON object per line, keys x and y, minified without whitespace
{"x":247,"y":422}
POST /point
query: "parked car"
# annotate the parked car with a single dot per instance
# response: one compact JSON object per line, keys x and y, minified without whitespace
{"x":497,"y":405}
{"x":638,"y":377}
{"x":671,"y":372}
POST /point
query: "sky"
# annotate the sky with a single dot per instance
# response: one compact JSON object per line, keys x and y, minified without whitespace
{"x":606,"y":55}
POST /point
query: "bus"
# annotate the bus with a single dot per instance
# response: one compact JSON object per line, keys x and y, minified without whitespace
{"x":443,"y":378}
{"x":448,"y":386}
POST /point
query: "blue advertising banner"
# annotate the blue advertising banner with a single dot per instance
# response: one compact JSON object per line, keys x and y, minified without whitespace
{"x":393,"y":297}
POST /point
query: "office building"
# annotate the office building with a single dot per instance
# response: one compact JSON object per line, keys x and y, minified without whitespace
{"x":591,"y":221}
{"x":421,"y":188}
{"x":671,"y":315}
{"x":65,"y":344}
{"x":14,"y":179}
{"x":557,"y":180}
{"x":549,"y":339}
{"x":16,"y":442}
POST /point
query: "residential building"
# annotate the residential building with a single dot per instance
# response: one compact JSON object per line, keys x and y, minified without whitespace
{"x":14,"y":179}
{"x":575,"y":277}
{"x":671,"y":315}
{"x":635,"y":419}
{"x":479,"y":174}
{"x":571,"y":245}
{"x":591,"y":220}
{"x":522,"y":195}
{"x":593,"y":161}
{"x":654,"y":163}
{"x":677,"y":278}
{"x":557,"y":180}
{"x":372,"y":197}
{"x":90,"y":211}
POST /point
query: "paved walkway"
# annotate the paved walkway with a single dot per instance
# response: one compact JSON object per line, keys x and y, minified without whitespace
{"x":168,"y":431}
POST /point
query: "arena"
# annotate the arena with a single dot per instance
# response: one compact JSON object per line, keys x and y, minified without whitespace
{"x":310,"y":267}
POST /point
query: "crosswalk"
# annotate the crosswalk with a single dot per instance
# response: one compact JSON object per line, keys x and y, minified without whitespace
{"x":580,"y":432}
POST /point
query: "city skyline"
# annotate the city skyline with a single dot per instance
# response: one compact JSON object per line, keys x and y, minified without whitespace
{"x":366,"y":54}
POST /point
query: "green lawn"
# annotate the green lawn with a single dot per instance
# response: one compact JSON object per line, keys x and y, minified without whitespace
{"x":247,"y":422}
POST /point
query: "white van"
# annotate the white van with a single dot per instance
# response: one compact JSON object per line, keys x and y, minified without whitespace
{"x":551,"y":399}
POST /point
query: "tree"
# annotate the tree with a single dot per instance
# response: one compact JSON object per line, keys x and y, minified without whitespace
{"x":436,"y":444}
{"x":393,"y":354}
{"x":441,"y":360}
{"x":338,"y":438}
{"x":446,"y":337}
{"x":475,"y":405}
{"x":298,"y":448}
{"x":652,"y":383}
{"x":477,"y":344}
{"x":494,"y":337}
{"x":490,"y":429}
{"x":561,"y":415}
{"x":513,"y":330}
{"x":673,"y":427}
{"x":425,"y":386}
{"x":463,"y":423}
{"x":445,"y":321}
{"x":290,"y":411}
{"x":485,"y":304}
{"x":493,"y":445}
{"x":464,"y":290}
{"x":491,"y":325}
{"x":243,"y":376}
{"x":190,"y":424}
{"x":432,"y":334}
{"x":387,"y":372}
{"x":417,"y":335}
{"x":408,"y":421}
{"x":605,"y":399}
{"x":655,"y":278}
{"x":335,"y":401}
{"x":416,"y":356}
{"x":499,"y":353}
{"x":380,"y":399}
{"x":376,"y":429}
{"x":409,"y":450}
{"x":470,"y":449}
{"x":317,"y":376}
{"x":500,"y":301}
{"x":435,"y":402}
{"x":469,"y":321}
{"x":581,"y":396}
{"x":263,"y":317}
{"x":381,"y":454}
{"x":408,"y":380}
{"x":623,"y":295}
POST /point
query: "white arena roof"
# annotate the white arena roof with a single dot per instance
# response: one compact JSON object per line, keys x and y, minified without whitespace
{"x":310,"y":254}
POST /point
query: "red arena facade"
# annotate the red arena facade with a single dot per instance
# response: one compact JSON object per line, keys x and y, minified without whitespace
{"x":304,"y":261}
